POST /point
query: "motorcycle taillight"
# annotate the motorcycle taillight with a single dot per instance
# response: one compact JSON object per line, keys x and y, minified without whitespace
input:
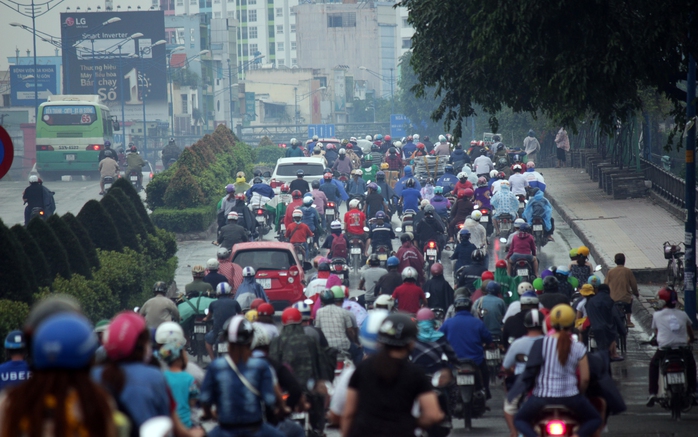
{"x":260,"y":212}
{"x":338,"y":268}
{"x":556,"y":427}
{"x":674,"y":366}
{"x":330,"y":204}
{"x":432,"y":245}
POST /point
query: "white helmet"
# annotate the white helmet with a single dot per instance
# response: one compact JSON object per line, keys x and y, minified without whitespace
{"x":409,"y":273}
{"x":354,"y":203}
{"x":319,"y":145}
{"x":397,"y":144}
{"x":308,"y":200}
{"x":368,"y":138}
{"x":212,"y":264}
{"x":232,"y":215}
{"x":518,"y":222}
{"x":223,"y":253}
{"x":342,"y":151}
{"x":494,"y":173}
{"x":33,"y":179}
{"x":294,"y":141}
{"x":248,"y":271}
{"x":352,"y":139}
{"x":415,"y":137}
{"x":476,"y":215}
{"x":442,"y":139}
{"x":360,"y":172}
{"x":461,"y":175}
{"x":260,"y":338}
{"x":223,"y":288}
{"x":336,"y":224}
{"x":524,"y":287}
{"x":170,"y":332}
{"x":315,"y":138}
{"x":384,"y":300}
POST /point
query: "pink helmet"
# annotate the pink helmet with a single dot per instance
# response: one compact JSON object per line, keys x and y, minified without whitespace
{"x":123,"y":332}
{"x":425,"y":314}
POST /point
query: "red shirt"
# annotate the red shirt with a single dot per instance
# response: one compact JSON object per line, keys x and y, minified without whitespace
{"x":288,"y":218}
{"x":459,"y":186}
{"x":299,"y":236}
{"x":525,"y":246}
{"x":354,"y":221}
{"x":409,"y":296}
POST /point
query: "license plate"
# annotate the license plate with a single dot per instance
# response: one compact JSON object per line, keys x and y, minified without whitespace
{"x":260,"y":219}
{"x":356,"y":251}
{"x":537,"y":227}
{"x":592,"y":343}
{"x":330,"y":212}
{"x":265,"y":283}
{"x":465,"y":380}
{"x":298,"y":416}
{"x":431,"y":252}
{"x":382,"y":256}
{"x":222,"y":348}
{"x":522,"y":205}
{"x":199,"y":329}
{"x":484,"y":219}
{"x":134,"y":178}
{"x":70,"y":157}
{"x":675,"y":378}
{"x":408,"y":228}
{"x":492,"y":354}
{"x":521,"y":272}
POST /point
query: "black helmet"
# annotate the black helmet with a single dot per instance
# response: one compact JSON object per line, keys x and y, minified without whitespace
{"x":477,"y":255}
{"x":373,"y":260}
{"x":448,"y":168}
{"x":380,"y":175}
{"x":323,"y":267}
{"x":409,"y":183}
{"x":550,"y":284}
{"x":300,"y":173}
{"x":257,"y":172}
{"x":316,"y":184}
{"x":462,"y":302}
{"x":405,"y":238}
{"x":160,"y":287}
{"x":257,"y":180}
{"x":327,"y":297}
{"x":392,"y":150}
{"x":397,"y":330}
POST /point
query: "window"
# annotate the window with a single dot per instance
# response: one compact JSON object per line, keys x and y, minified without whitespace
{"x":271,"y":31}
{"x":294,"y":61}
{"x":180,"y":2}
{"x":231,"y":14}
{"x":280,"y":28}
{"x":293,"y":45}
{"x":193,"y":2}
{"x":279,"y":12}
{"x":243,"y":33}
{"x":280,"y":46}
{"x":216,"y":1}
{"x":253,"y":48}
{"x":252,"y":31}
{"x":280,"y":61}
{"x":293,"y":28}
{"x":406,"y":43}
{"x":217,"y":15}
{"x":252,"y":16}
{"x":405,"y":23}
{"x":251,"y":2}
{"x":345,"y":19}
{"x":185,"y":104}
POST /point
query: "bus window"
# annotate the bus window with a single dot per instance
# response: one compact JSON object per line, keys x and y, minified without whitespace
{"x":106,"y":122}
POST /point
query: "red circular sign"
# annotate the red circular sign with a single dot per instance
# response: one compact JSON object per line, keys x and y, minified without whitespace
{"x":7,"y":152}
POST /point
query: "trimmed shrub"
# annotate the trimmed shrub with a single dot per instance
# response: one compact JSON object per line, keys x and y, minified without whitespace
{"x":269,"y":154}
{"x":123,"y":273}
{"x":12,"y":316}
{"x":131,"y":212}
{"x":39,"y":266}
{"x":191,"y":161}
{"x":169,"y":240}
{"x":122,"y":222}
{"x":55,"y":253}
{"x":76,"y":257}
{"x":88,"y":247}
{"x":184,"y":220}
{"x":137,"y":202}
{"x":183,"y":191}
{"x":155,"y":190}
{"x":204,"y":150}
{"x":100,"y":227}
{"x":96,"y":299}
{"x":15,"y":269}
{"x":265,"y":142}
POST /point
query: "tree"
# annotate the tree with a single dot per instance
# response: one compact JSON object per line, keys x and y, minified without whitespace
{"x":417,"y":109}
{"x":88,"y":247}
{"x":183,"y":190}
{"x":76,"y":256}
{"x":122,"y":222}
{"x":39,"y":265}
{"x":568,"y":60}
{"x":131,"y":212}
{"x":100,"y":226}
{"x":15,"y":269}
{"x":55,"y":253}
{"x":136,"y":201}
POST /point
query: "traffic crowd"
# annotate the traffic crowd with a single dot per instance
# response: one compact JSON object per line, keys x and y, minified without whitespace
{"x":370,"y":365}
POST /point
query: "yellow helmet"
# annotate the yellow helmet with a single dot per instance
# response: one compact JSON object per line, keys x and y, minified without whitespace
{"x":562,"y":316}
{"x":583,"y":250}
{"x":251,"y":316}
{"x":384,"y":166}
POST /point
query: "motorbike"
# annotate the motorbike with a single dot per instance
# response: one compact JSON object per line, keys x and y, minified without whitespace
{"x":471,"y":402}
{"x":431,"y":256}
{"x":486,"y":220}
{"x":263,"y":219}
{"x":197,"y":342}
{"x":408,"y":217}
{"x":356,"y":251}
{"x":383,"y":253}
{"x":556,"y":420}
{"x":538,"y":230}
{"x":37,"y":212}
{"x":108,"y":182}
{"x":524,"y":269}
{"x":299,"y":248}
{"x":494,"y":359}
{"x":442,"y":387}
{"x":675,"y":394}
{"x":506,"y":224}
{"x":340,"y":268}
{"x":522,"y":203}
{"x":330,"y":212}
{"x":133,"y":178}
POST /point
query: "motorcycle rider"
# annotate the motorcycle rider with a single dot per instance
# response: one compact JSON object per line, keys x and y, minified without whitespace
{"x":197,"y":287}
{"x":410,"y":196}
{"x":33,"y":197}
{"x":497,"y":180}
{"x":401,"y":184}
{"x":419,"y":151}
{"x":483,"y":165}
{"x":295,"y":151}
{"x":249,"y":286}
{"x":108,"y":167}
{"x":515,"y":306}
{"x":551,"y":293}
{"x":409,"y":296}
{"x":493,"y":307}
{"x":534,"y":178}
{"x":385,"y":189}
{"x":336,"y":324}
{"x":229,"y":269}
{"x":311,"y":217}
{"x":107,"y":152}
{"x":354,"y":155}
{"x":369,"y":278}
{"x":319,"y":153}
{"x":514,"y":326}
{"x":232,"y":233}
{"x":458,"y":157}
{"x":170,"y":152}
{"x":518,"y":181}
{"x":355,"y":221}
{"x":605,"y":321}
{"x":539,"y":207}
{"x":369,"y":168}
{"x":409,"y":147}
{"x":388,"y":283}
{"x":441,"y":204}
{"x":297,"y":202}
{"x":509,"y":284}
{"x":448,"y":180}
{"x":300,"y":184}
{"x":460,"y":211}
{"x":356,"y":187}
{"x":439,"y":292}
{"x":298,"y":232}
{"x":212,"y":276}
{"x":562,"y":274}
{"x":504,"y":202}
{"x":428,"y":190}
{"x":135,"y":164}
{"x":477,"y":149}
{"x":330,"y":154}
{"x":394,"y":160}
{"x":319,"y":200}
{"x":463,"y":182}
{"x":522,"y":246}
{"x":225,"y":205}
{"x":410,"y":256}
{"x":15,"y":370}
{"x":672,"y":329}
{"x":241,"y":184}
{"x":159,"y":308}
{"x":245,"y":218}
{"x":329,"y":189}
{"x":340,"y":246}
{"x":441,"y":149}
{"x":482,"y":193}
{"x":478,"y":234}
{"x":380,"y":234}
{"x":343,"y":163}
{"x":431,"y":228}
{"x":259,"y":189}
{"x":220,"y":311}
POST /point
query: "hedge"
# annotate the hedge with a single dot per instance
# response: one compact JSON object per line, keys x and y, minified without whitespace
{"x":84,"y":238}
{"x":14,"y":282}
{"x":39,"y":266}
{"x":76,"y":256}
{"x":269,"y":154}
{"x":100,"y":226}
{"x":97,"y":301}
{"x":53,"y":250}
{"x":137,"y":203}
{"x":122,"y":222}
{"x":184,"y":220}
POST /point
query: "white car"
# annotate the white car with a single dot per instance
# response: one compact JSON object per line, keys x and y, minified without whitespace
{"x":287,"y":168}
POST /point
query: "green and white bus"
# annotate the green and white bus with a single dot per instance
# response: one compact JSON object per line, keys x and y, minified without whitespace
{"x":70,"y":133}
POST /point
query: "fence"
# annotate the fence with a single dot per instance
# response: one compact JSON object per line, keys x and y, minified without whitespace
{"x":283,"y":133}
{"x":665,"y":184}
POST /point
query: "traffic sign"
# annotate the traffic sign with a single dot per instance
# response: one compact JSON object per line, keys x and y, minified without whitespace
{"x":321,"y":130}
{"x":7,"y":152}
{"x":398,"y":126}
{"x":22,"y":81}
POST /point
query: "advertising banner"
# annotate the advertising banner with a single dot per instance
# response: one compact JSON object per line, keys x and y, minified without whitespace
{"x":100,"y":57}
{"x":22,"y":84}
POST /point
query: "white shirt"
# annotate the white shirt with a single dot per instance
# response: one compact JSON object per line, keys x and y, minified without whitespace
{"x":316,"y":286}
{"x":534,"y":176}
{"x":341,"y":385}
{"x":582,"y":307}
{"x":670,"y":324}
{"x":518,"y":183}
{"x":483,"y":164}
{"x":495,"y":185}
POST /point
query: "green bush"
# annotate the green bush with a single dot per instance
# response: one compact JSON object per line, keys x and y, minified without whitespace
{"x":122,"y":222}
{"x":76,"y":257}
{"x":39,"y":266}
{"x":137,"y":202}
{"x":155,"y":190}
{"x":88,"y":247}
{"x":96,"y":299}
{"x":265,"y":142}
{"x":123,"y":273}
{"x":184,"y":220}
{"x":100,"y":227}
{"x":12,"y":316}
{"x":169,"y":240}
{"x":183,"y":191}
{"x":53,"y":250}
{"x":269,"y":154}
{"x":15,"y":269}
{"x":191,"y":161}
{"x":130,"y":211}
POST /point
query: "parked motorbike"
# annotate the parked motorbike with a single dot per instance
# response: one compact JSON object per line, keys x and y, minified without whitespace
{"x":471,"y":402}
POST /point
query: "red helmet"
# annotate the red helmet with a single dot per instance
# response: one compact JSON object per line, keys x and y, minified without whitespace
{"x":297,"y":194}
{"x":668,"y":296}
{"x":425,"y":314}
{"x":349,"y":146}
{"x":256,"y":303}
{"x":420,"y":145}
{"x":461,"y":194}
{"x":487,"y":275}
{"x":331,"y":146}
{"x":265,"y":309}
{"x":285,"y":188}
{"x":468,"y":192}
{"x":480,"y":143}
{"x":437,"y":269}
{"x":501,"y":264}
{"x":291,"y":316}
{"x":387,"y":138}
{"x":122,"y":335}
{"x":473,"y":143}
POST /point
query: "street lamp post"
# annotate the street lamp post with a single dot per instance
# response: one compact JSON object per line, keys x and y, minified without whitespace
{"x":170,"y":75}
{"x":384,"y":79}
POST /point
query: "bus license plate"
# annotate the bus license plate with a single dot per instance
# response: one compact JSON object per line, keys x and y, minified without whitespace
{"x":484,"y":219}
{"x":356,"y":251}
{"x":382,"y":256}
{"x":199,"y":329}
{"x":537,"y":227}
{"x":675,"y":378}
{"x":465,"y":380}
{"x":431,"y":252}
{"x":522,"y":272}
{"x":265,"y":283}
{"x":70,"y":157}
{"x":408,"y":228}
{"x":222,"y":348}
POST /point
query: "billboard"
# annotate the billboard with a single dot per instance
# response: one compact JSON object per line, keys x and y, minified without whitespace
{"x":99,"y":57}
{"x":22,"y":84}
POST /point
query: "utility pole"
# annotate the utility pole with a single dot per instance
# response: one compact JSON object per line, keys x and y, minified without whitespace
{"x":230,"y":92}
{"x":689,"y":284}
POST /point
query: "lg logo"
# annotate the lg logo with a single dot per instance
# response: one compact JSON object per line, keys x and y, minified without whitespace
{"x":70,"y":21}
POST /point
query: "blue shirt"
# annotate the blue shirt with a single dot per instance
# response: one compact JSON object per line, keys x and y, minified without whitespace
{"x":382,"y":235}
{"x":466,"y":334}
{"x":183,"y":388}
{"x":235,"y":403}
{"x":342,"y":193}
{"x":356,"y":186}
{"x":12,"y":373}
{"x":410,"y":199}
{"x":495,"y":313}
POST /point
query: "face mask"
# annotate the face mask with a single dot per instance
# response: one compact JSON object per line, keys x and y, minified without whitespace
{"x":240,"y":180}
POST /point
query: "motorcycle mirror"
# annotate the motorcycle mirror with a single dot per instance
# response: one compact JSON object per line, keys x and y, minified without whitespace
{"x":314,"y":206}
{"x":366,"y":229}
{"x":206,"y":311}
{"x":427,"y":294}
{"x":136,"y":309}
{"x":435,"y":380}
{"x":502,"y":240}
{"x":159,"y":426}
{"x":308,"y":302}
{"x":598,"y":268}
{"x":575,"y":337}
{"x":398,"y":229}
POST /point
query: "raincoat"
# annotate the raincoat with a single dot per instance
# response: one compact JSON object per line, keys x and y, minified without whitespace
{"x":535,"y":179}
{"x":400,"y":185}
{"x":505,"y":202}
{"x":534,"y":205}
{"x":250,"y":285}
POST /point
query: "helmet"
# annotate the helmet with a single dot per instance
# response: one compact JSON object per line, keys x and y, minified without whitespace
{"x":160,"y":287}
{"x":481,"y":181}
{"x":409,"y":273}
{"x":240,"y":330}
{"x":260,"y":338}
{"x":501,"y":264}
{"x":448,"y":168}
{"x":297,"y":214}
{"x":291,"y":316}
{"x":523,"y":227}
{"x":198,"y":270}
{"x":396,"y":144}
{"x":315,"y":137}
{"x":476,"y":215}
{"x":303,"y":308}
{"x":230,"y":188}
{"x":462,"y":175}
{"x":373,"y":186}
{"x":15,"y":340}
{"x":420,"y":145}
{"x":240,"y":196}
{"x":251,"y":315}
{"x":493,"y":287}
{"x":232,"y":215}
{"x":668,"y":295}
{"x":425,"y":314}
{"x":349,"y":146}
{"x":586,"y":290}
{"x":516,"y":167}
{"x":530,"y":164}
{"x":387,"y":138}
{"x":368,"y":157}
{"x":384,"y":166}
{"x":550,"y":284}
{"x":354,"y":203}
{"x":318,"y":148}
{"x":123,"y":332}
{"x":212,"y":264}
{"x":285,"y":188}
{"x":170,"y":332}
{"x":594,"y":281}
{"x":315,"y":184}
{"x":359,"y":172}
{"x":378,"y":137}
{"x":494,"y":173}
{"x":373,"y":260}
{"x":368,"y":333}
{"x":538,"y":284}
{"x":296,"y":194}
{"x":529,"y":298}
{"x":436,"y":269}
{"x":223,"y":288}
{"x":442,"y":139}
{"x":342,"y":151}
{"x":327,"y":297}
{"x":323,"y":267}
{"x":468,"y":192}
{"x":477,"y":255}
{"x":397,"y":330}
{"x":415,"y":137}
{"x":33,"y":179}
{"x":257,"y":180}
{"x":368,"y":138}
{"x":393,"y":261}
{"x":573,"y":253}
{"x":462,"y":302}
{"x":380,"y":215}
{"x":327,"y":176}
{"x":487,"y":276}
{"x":533,"y":319}
{"x":265,"y":309}
{"x":562,"y":316}
{"x":583,"y":250}
{"x":294,"y":141}
{"x":410,"y":183}
{"x":308,"y":200}
{"x":300,"y":173}
{"x":336,"y":224}
{"x":429,"y":208}
{"x":240,"y":174}
{"x":407,"y":236}
{"x":464,"y":232}
{"x":337,"y":292}
{"x":331,"y":146}
{"x":524,"y":287}
{"x":255,"y":173}
{"x":518,"y":222}
{"x":223,"y":253}
{"x":63,"y":341}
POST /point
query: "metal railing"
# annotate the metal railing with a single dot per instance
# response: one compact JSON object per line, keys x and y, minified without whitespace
{"x":280,"y":133}
{"x":665,"y":184}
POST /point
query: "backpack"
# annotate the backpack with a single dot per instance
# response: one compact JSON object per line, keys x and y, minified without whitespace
{"x":339,"y":247}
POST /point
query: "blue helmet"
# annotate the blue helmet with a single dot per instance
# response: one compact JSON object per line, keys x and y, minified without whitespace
{"x":368,"y":334}
{"x":464,"y":231}
{"x":524,"y":227}
{"x":562,"y":270}
{"x":64,"y":341}
{"x":392,"y":262}
{"x":493,"y":287}
{"x":448,"y":169}
{"x":380,"y":215}
{"x":594,"y":281}
{"x":15,"y":340}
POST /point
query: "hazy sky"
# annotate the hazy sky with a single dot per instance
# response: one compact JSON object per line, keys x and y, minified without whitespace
{"x":15,"y":37}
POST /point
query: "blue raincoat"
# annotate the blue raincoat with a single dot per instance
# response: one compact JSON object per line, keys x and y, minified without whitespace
{"x":535,"y":204}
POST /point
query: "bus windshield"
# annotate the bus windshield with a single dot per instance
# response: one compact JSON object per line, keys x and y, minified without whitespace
{"x":69,"y":115}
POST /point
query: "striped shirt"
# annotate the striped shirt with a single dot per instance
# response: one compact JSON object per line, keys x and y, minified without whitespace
{"x":555,"y":380}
